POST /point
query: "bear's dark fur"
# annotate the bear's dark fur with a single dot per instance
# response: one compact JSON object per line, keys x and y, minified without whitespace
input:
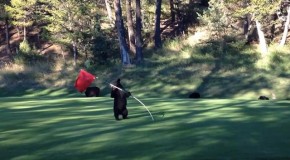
{"x":263,"y":98}
{"x":120,"y":100}
{"x":92,"y":92}
{"x":194,"y":95}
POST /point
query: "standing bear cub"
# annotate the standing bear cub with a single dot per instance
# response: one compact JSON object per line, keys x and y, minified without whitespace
{"x":120,"y":100}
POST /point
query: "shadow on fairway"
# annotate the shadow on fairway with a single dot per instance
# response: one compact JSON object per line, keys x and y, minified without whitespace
{"x":80,"y":128}
{"x":156,"y":116}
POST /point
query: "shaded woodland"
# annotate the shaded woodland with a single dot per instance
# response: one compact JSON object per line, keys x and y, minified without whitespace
{"x":107,"y":29}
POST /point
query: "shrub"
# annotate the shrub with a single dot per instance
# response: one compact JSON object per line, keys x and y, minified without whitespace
{"x":24,"y":47}
{"x":27,"y":55}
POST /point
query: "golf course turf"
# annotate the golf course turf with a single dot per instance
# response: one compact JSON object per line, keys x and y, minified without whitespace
{"x":85,"y":129}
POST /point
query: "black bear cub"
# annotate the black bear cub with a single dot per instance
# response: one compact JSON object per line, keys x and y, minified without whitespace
{"x":263,"y":98}
{"x":92,"y":92}
{"x":120,"y":100}
{"x":194,"y":95}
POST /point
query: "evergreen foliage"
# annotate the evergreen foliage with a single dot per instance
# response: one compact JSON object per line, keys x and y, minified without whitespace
{"x":216,"y":18}
{"x":24,"y":47}
{"x":3,"y":13}
{"x":80,"y":26}
{"x":22,"y":12}
{"x":71,"y":21}
{"x":103,"y":50}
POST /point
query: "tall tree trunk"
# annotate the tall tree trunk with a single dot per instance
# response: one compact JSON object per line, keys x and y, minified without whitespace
{"x":121,"y":33}
{"x":131,"y":34}
{"x":157,"y":35}
{"x":179,"y":18}
{"x":286,"y":28}
{"x":18,"y":32}
{"x":75,"y":52}
{"x":109,"y":11}
{"x":24,"y":33}
{"x":247,"y":26}
{"x":172,"y":11}
{"x":262,"y":40}
{"x":8,"y":49}
{"x":139,"y":54}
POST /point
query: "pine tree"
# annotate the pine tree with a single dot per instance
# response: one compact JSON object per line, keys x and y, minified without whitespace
{"x":22,"y":13}
{"x":4,"y":17}
{"x":259,"y":10}
{"x":70,"y":23}
{"x":222,"y":13}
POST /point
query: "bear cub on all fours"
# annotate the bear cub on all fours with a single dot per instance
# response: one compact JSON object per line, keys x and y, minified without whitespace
{"x":92,"y":92}
{"x":263,"y":98}
{"x":194,"y":95}
{"x":120,"y":96}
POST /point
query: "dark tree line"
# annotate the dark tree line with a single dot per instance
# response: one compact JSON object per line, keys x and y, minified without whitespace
{"x":79,"y":25}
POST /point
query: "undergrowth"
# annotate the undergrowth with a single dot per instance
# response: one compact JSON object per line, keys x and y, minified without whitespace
{"x":178,"y":69}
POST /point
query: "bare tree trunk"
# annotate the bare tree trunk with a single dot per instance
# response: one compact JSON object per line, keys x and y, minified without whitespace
{"x":109,"y":11}
{"x":247,"y":26}
{"x":262,"y":40}
{"x":18,"y":32}
{"x":121,"y":33}
{"x":179,"y":18}
{"x":157,"y":35}
{"x":172,"y":11}
{"x":286,"y":28}
{"x":273,"y":18}
{"x":75,"y":52}
{"x":139,"y":54}
{"x":24,"y":33}
{"x":62,"y":53}
{"x":8,"y":49}
{"x":131,"y":34}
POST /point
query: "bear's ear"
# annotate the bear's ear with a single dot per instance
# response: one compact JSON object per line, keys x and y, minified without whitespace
{"x":118,"y":80}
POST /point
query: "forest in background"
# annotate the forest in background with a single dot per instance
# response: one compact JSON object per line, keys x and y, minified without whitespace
{"x":103,"y":34}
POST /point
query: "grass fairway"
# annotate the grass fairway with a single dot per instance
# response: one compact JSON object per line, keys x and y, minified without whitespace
{"x":85,"y":129}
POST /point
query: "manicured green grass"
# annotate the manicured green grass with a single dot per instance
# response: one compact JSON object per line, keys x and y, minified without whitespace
{"x":84,"y":129}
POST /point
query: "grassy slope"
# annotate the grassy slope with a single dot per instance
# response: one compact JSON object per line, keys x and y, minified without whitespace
{"x":181,"y":67}
{"x":84,"y":128}
{"x":159,"y":77}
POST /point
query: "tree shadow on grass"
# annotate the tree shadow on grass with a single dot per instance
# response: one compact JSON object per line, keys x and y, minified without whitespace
{"x":214,"y":74}
{"x":76,"y":128}
{"x":236,"y":133}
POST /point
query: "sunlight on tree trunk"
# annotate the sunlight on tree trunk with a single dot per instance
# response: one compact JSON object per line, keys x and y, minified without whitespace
{"x":286,"y":28}
{"x":109,"y":11}
{"x":262,"y":40}
{"x":121,"y":33}
{"x":247,"y":26}
{"x":24,"y":33}
{"x":125,"y":56}
{"x":75,"y":53}
{"x":131,"y":34}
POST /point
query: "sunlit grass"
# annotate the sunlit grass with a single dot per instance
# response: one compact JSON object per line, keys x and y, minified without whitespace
{"x":175,"y":71}
{"x":84,"y":128}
